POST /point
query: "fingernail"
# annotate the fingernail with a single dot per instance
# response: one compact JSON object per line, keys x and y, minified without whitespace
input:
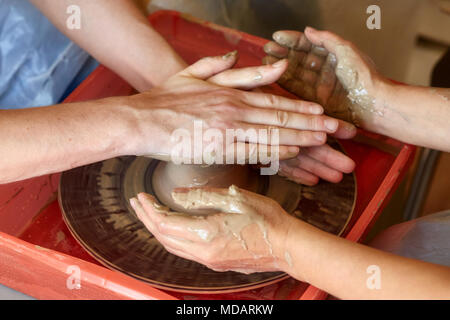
{"x":279,"y":63}
{"x":229,"y":55}
{"x":316,"y":109}
{"x":349,"y":127}
{"x":276,"y":36}
{"x":310,"y":29}
{"x":133,"y":203}
{"x":293,"y":151}
{"x":331,"y":124}
{"x":320,"y":136}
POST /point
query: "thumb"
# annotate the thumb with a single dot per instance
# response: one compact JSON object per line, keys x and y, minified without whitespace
{"x":203,"y":198}
{"x":209,"y":66}
{"x":325,"y":39}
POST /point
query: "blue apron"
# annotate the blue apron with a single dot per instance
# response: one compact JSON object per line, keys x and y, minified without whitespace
{"x":37,"y":62}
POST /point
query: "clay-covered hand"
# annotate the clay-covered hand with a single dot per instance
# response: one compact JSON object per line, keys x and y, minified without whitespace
{"x":330,"y":71}
{"x":245,"y":233}
{"x":206,"y":92}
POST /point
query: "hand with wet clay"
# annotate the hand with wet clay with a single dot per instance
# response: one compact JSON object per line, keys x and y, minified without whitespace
{"x":207,"y":92}
{"x":331,"y":71}
{"x":244,"y":233}
{"x":250,"y":233}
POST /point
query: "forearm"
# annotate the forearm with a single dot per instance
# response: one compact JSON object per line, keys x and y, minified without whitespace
{"x":339,"y":267}
{"x":52,"y":139}
{"x":118,"y":35}
{"x":417,"y":115}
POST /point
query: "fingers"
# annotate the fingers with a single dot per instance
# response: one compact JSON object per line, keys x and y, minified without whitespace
{"x":269,"y":60}
{"x":204,"y":198}
{"x":251,"y":147}
{"x":317,"y":168}
{"x":292,"y":120}
{"x":331,"y":157}
{"x":284,"y":137}
{"x":292,"y":40}
{"x":274,"y":49}
{"x":142,"y":215}
{"x":251,"y":77}
{"x":345,"y":130}
{"x":325,"y":39}
{"x":317,"y":162}
{"x":258,"y":152}
{"x":162,"y":223}
{"x":174,"y":246}
{"x":297,"y":174}
{"x":271,"y":101}
{"x":207,"y":67}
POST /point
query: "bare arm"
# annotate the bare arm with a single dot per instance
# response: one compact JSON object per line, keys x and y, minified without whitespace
{"x":50,"y":139}
{"x":417,"y":115}
{"x":38,"y":141}
{"x":118,"y":35}
{"x":340,"y":267}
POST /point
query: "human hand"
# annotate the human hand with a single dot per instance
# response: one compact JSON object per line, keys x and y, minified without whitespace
{"x":331,"y":71}
{"x":206,"y":92}
{"x":314,"y":163}
{"x":247,"y":233}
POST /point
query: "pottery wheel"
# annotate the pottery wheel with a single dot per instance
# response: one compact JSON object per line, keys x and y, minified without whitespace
{"x":95,"y":206}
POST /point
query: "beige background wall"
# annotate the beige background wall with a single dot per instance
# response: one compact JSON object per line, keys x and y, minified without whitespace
{"x":389,"y":47}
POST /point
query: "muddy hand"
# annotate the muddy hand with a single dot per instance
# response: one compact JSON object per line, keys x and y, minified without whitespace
{"x":206,"y":91}
{"x":331,"y":71}
{"x":247,"y":233}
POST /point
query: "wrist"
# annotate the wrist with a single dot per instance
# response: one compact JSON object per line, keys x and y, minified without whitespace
{"x":389,"y":118}
{"x":377,"y":118}
{"x":123,"y":125}
{"x":300,"y":245}
{"x":145,"y":76}
{"x":283,"y":251}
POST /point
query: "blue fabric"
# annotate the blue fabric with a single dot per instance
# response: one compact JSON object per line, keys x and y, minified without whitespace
{"x":426,"y":239}
{"x":90,"y":65}
{"x":37,"y":62}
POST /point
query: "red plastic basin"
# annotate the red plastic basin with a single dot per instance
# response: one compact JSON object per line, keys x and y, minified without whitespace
{"x":37,"y":250}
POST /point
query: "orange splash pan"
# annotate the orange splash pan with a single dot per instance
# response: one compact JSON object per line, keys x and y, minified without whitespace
{"x":37,"y":250}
